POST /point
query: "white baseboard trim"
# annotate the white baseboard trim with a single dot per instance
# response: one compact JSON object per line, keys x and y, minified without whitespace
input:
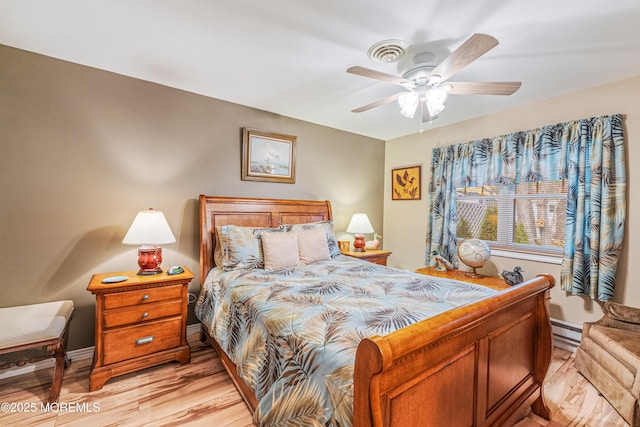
{"x":566,"y":335}
{"x":79,"y":354}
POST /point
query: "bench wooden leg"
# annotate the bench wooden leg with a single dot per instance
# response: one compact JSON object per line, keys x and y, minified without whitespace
{"x":58,"y":372}
{"x":62,"y":362}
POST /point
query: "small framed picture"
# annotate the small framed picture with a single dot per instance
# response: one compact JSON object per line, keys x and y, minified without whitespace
{"x":344,"y":245}
{"x":268,"y":156}
{"x":406,"y":183}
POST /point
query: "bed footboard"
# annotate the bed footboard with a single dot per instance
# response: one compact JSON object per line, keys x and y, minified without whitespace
{"x":478,"y":365}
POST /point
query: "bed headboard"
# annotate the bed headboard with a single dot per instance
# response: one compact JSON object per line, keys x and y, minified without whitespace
{"x":216,"y":211}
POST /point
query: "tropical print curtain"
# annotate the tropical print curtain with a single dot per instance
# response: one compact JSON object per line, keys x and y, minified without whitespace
{"x":589,"y":153}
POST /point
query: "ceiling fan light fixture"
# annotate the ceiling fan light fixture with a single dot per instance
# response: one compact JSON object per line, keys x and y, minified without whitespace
{"x":432,"y":98}
{"x":408,"y":103}
{"x":435,"y":98}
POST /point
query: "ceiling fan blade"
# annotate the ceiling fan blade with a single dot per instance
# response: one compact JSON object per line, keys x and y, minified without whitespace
{"x":377,"y":103}
{"x":472,"y":49}
{"x":377,"y":75}
{"x":483,"y":88}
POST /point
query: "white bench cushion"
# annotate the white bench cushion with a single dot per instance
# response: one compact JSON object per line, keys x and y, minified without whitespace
{"x":33,"y":323}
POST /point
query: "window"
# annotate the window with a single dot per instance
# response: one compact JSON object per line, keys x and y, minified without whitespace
{"x":527,"y":217}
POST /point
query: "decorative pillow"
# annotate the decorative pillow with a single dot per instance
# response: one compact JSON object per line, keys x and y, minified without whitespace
{"x":280,"y":250}
{"x":312,"y":245}
{"x":327,"y":226}
{"x":242,"y":247}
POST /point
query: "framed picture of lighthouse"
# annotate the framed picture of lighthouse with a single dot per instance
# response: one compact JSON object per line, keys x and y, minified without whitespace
{"x":268,"y":156}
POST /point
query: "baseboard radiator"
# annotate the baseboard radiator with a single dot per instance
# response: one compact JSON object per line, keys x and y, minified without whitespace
{"x":565,"y":336}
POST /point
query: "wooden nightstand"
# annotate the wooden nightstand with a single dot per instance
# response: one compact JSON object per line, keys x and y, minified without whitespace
{"x":371,"y":255}
{"x":488,"y":281}
{"x":140,"y":322}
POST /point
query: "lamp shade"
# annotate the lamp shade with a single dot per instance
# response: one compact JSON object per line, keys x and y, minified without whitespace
{"x":431,"y":98}
{"x":149,"y":227}
{"x":360,"y":224}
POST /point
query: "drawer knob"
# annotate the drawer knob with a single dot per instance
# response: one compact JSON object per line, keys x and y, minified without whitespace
{"x":145,"y":340}
{"x":145,"y":297}
{"x":145,"y":314}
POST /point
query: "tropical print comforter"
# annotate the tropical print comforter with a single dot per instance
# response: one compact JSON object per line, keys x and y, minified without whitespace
{"x":293,"y":333}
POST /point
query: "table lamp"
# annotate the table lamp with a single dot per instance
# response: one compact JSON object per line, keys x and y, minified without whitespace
{"x":149,"y":229}
{"x":359,"y":225}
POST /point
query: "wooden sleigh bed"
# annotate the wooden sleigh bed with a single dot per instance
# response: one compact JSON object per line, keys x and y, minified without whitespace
{"x":481,"y":364}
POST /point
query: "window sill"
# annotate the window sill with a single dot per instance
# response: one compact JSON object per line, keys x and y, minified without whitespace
{"x":549,"y":259}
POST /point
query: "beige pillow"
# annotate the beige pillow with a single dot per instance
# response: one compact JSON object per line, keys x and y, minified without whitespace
{"x":280,"y":250}
{"x":327,"y":226}
{"x":312,"y":245}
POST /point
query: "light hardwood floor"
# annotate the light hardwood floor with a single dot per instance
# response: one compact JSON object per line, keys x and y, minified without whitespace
{"x":201,"y":393}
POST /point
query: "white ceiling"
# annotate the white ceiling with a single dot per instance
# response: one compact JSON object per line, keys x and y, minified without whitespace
{"x":290,"y":56}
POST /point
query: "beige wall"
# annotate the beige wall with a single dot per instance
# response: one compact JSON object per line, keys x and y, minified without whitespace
{"x":84,"y":150}
{"x":405,"y":221}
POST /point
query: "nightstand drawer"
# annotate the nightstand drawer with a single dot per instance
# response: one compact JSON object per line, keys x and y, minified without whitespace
{"x":378,"y":260}
{"x":373,"y":255}
{"x":141,"y":313}
{"x":129,"y":342}
{"x":142,"y":296}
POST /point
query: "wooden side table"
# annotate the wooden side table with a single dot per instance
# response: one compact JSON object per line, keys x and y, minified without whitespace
{"x":372,"y":255}
{"x":141,"y":321}
{"x":488,"y":281}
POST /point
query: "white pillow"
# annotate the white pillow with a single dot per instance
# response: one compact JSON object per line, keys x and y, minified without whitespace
{"x":312,"y":245}
{"x":280,"y":250}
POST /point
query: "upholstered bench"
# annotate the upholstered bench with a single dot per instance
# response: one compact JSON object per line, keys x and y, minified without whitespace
{"x":39,"y":325}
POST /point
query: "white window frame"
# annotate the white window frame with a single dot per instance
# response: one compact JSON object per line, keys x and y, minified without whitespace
{"x":504,"y":245}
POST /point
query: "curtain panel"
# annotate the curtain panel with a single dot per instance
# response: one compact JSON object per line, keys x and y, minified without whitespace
{"x":589,"y":153}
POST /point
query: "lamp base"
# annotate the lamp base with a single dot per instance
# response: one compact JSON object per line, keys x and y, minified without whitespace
{"x":149,"y":260}
{"x":358,"y":243}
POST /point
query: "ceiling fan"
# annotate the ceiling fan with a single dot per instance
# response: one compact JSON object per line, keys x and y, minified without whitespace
{"x":427,"y":86}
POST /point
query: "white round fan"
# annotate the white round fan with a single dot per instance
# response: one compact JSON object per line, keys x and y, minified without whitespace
{"x":427,"y":86}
